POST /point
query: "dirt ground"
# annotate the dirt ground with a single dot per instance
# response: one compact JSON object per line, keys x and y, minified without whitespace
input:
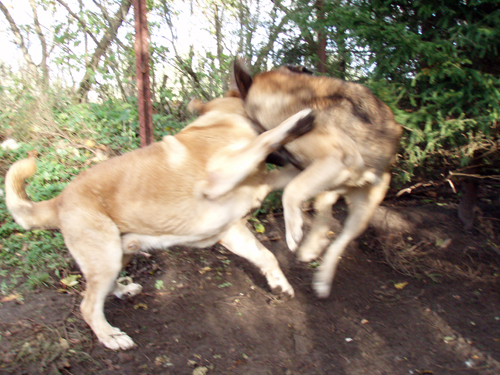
{"x":415,"y":294}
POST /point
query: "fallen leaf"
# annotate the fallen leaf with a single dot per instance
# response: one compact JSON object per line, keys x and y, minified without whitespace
{"x":142,"y":306}
{"x":11,"y":297}
{"x":202,"y":370}
{"x":401,"y":285}
{"x":71,"y":280}
{"x":204,"y":269}
{"x":259,"y":228}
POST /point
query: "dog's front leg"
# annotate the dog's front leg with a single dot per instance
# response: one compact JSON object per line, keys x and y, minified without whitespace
{"x":240,"y":240}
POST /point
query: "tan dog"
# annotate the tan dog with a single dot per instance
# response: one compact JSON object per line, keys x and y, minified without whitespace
{"x":348,"y":153}
{"x":160,"y":196}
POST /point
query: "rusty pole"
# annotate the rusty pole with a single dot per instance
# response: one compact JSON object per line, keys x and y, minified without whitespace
{"x":142,"y":73}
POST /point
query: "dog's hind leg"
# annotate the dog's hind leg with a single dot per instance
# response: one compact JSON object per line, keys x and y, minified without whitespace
{"x":240,"y":240}
{"x":317,"y":239}
{"x":362,"y":203}
{"x":233,"y":164}
{"x":94,"y":241}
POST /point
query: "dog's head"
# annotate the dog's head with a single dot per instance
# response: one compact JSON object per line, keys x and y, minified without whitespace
{"x":231,"y":104}
{"x":273,"y":96}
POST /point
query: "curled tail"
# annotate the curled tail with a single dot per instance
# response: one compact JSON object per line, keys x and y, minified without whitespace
{"x":26,"y":213}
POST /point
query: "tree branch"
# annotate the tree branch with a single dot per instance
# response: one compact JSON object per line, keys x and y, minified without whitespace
{"x":43,"y":42}
{"x":102,"y":46}
{"x":272,"y":38}
{"x":79,"y":20}
{"x":18,"y":38}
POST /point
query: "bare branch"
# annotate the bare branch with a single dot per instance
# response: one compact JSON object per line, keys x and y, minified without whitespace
{"x":43,"y":42}
{"x":102,"y":46}
{"x":18,"y":38}
{"x":79,"y":20}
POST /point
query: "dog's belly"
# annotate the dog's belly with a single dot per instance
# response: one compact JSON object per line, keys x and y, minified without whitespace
{"x":132,"y":242}
{"x":200,"y":225}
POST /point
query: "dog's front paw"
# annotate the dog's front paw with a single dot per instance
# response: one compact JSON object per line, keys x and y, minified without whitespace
{"x":279,"y":284}
{"x":312,"y":246}
{"x":116,"y":340}
{"x":322,"y":283}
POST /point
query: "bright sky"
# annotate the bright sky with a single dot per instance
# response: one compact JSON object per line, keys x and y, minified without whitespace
{"x":190,"y":29}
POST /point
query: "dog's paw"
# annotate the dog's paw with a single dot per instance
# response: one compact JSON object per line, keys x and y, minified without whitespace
{"x":312,"y":247}
{"x":279,"y":284}
{"x":306,"y":256}
{"x":131,"y":290}
{"x":309,"y":251}
{"x":117,"y":340}
{"x":322,"y":283}
{"x":126,"y":290}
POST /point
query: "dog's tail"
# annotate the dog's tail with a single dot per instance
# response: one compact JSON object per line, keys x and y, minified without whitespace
{"x":28,"y":214}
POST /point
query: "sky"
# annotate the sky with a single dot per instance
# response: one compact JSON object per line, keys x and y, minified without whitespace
{"x":191,"y":29}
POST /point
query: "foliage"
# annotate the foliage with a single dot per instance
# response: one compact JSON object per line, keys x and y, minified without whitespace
{"x":440,"y":59}
{"x":435,"y":63}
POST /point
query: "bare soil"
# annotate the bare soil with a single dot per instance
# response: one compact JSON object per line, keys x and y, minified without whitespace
{"x":415,"y":294}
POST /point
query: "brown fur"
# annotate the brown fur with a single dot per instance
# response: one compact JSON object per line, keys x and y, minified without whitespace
{"x":349,"y":152}
{"x":193,"y":188}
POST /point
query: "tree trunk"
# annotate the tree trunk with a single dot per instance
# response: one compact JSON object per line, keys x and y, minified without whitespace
{"x":321,"y":50}
{"x":218,"y":34}
{"x":342,"y":53}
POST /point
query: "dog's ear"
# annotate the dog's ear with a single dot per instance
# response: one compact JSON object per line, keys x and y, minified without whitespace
{"x":242,"y":78}
{"x":298,"y":69}
{"x":196,"y":106}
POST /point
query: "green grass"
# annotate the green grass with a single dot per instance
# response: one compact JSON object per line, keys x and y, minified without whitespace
{"x":29,"y":259}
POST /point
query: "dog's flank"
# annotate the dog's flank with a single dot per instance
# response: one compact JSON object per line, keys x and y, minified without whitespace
{"x":172,"y":192}
{"x":348,"y":153}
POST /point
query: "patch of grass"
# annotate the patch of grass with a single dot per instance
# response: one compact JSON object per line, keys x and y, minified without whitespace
{"x":271,"y":203}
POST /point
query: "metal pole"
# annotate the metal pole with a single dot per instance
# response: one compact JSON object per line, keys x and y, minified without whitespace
{"x":142,"y":73}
